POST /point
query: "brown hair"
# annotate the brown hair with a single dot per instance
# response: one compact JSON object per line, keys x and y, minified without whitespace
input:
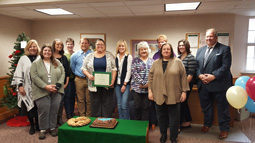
{"x":30,"y":42}
{"x":186,"y":44}
{"x":172,"y":52}
{"x":70,"y":40}
{"x":52,"y":58}
{"x":53,"y":46}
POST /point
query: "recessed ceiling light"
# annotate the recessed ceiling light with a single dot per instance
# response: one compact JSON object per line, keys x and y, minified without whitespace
{"x":55,"y":11}
{"x":182,"y":6}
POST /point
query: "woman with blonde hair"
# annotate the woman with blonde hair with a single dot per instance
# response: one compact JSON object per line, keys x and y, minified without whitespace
{"x":22,"y":80}
{"x":122,"y":83}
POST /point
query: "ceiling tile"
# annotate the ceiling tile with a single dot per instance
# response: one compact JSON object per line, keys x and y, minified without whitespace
{"x":147,"y":8}
{"x":218,"y":5}
{"x":83,"y":10}
{"x":92,"y":15}
{"x":73,"y":5}
{"x":40,"y":6}
{"x":114,"y":10}
{"x":147,"y":2}
{"x":107,"y":4}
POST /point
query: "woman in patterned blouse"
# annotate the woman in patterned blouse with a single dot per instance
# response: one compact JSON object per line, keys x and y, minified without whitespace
{"x":140,"y":70}
{"x":189,"y":62}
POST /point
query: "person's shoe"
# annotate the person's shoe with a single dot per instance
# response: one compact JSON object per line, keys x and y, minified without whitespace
{"x":173,"y":141}
{"x":54,"y":132}
{"x":205,"y":129}
{"x":69,"y":116}
{"x":32,"y":130}
{"x":42,"y":135}
{"x":185,"y":127}
{"x":163,"y":138}
{"x":223,"y":135}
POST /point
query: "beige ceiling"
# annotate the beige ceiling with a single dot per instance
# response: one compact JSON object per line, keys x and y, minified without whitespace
{"x":24,"y":9}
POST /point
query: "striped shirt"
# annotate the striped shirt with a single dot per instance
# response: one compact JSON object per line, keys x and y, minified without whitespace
{"x":140,"y":72}
{"x":189,"y":63}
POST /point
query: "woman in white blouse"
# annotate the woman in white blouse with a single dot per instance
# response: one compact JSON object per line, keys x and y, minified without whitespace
{"x":122,"y":84}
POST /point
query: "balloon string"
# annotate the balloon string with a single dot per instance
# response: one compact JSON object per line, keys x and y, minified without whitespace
{"x":238,"y":110}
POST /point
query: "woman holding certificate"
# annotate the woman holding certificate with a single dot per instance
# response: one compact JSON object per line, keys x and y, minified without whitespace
{"x":122,"y":84}
{"x":167,"y":87}
{"x":96,"y":64}
{"x":140,"y":70}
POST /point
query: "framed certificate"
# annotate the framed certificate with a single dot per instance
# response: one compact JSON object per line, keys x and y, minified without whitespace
{"x":102,"y":79}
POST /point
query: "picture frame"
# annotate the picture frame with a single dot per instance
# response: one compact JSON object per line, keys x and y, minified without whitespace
{"x":92,"y":38}
{"x":193,"y":39}
{"x":152,"y":43}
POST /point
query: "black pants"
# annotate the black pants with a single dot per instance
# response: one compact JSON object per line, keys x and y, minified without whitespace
{"x":206,"y":101}
{"x":171,"y":113}
{"x":101,"y":102}
{"x":141,"y":105}
{"x":185,"y":112}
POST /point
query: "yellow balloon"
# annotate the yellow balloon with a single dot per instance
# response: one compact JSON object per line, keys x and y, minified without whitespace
{"x":237,"y":97}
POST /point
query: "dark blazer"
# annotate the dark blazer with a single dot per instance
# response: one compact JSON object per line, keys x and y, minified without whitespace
{"x":218,"y":64}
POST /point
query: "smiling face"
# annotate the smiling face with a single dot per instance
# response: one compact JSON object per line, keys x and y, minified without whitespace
{"x":143,"y":52}
{"x":182,"y":48}
{"x":33,"y":49}
{"x":84,"y":45}
{"x":47,"y":53}
{"x":166,"y":51}
{"x":211,"y":38}
{"x":100,"y":47}
{"x":69,"y":46}
{"x":58,"y":46}
{"x":122,"y":48}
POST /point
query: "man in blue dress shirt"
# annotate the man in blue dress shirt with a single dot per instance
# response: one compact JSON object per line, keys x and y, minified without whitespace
{"x":80,"y":80}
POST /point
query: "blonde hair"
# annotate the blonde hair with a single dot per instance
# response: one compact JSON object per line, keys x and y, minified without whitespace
{"x":125,"y":45}
{"x":162,"y":36}
{"x":30,"y":42}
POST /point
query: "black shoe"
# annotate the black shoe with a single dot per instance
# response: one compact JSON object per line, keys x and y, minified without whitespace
{"x":69,"y":116}
{"x":163,"y":138}
{"x":32,"y":130}
{"x":173,"y":141}
{"x":42,"y":135}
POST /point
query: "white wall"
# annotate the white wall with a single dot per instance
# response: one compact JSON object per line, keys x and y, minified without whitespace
{"x":128,"y":28}
{"x":10,"y":28}
{"x":240,"y":40}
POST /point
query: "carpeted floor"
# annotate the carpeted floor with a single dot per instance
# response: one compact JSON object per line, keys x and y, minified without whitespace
{"x":243,"y":131}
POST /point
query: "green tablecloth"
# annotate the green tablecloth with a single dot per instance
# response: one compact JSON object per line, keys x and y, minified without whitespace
{"x":127,"y":131}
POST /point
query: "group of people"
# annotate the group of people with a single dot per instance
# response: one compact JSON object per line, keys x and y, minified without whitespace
{"x":160,"y":85}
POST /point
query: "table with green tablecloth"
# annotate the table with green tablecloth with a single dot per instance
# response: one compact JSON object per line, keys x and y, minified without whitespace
{"x":126,"y":131}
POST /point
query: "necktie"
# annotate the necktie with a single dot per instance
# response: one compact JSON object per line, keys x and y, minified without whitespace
{"x":207,"y":55}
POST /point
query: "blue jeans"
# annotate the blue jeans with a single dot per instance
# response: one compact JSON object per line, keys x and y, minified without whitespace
{"x":69,"y":97}
{"x":122,"y":101}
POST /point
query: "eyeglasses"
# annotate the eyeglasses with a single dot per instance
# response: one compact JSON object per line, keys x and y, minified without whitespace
{"x":100,"y":44}
{"x":181,"y":45}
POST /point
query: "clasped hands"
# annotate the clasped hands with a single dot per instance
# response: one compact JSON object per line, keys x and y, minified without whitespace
{"x":206,"y":78}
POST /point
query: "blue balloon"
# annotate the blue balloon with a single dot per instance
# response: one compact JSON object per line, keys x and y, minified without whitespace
{"x":241,"y":81}
{"x":250,"y":106}
{"x":249,"y":98}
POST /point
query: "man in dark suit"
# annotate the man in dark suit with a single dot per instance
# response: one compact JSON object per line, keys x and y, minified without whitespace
{"x":213,"y":71}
